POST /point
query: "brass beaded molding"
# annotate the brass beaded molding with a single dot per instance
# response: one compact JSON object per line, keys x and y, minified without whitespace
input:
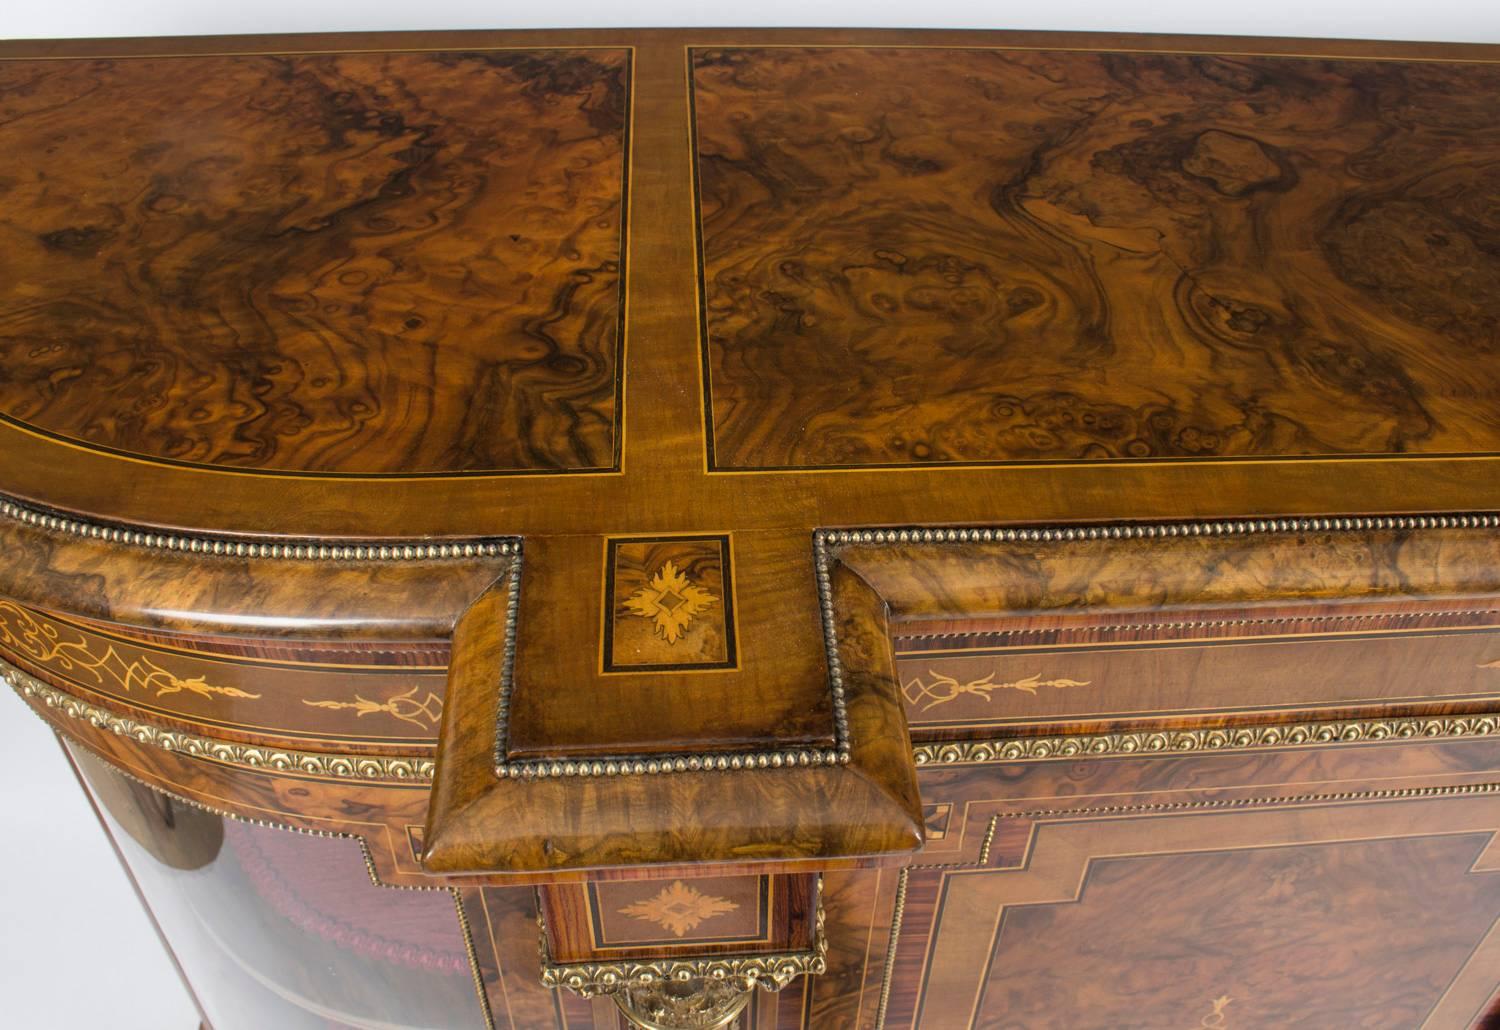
{"x":251,"y":756}
{"x":739,"y":972}
{"x":627,"y":765}
{"x":230,"y":547}
{"x":1153,"y":530}
{"x":898,"y":914}
{"x":364,"y":850}
{"x":824,"y":541}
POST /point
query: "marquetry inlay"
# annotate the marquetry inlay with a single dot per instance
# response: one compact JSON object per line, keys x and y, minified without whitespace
{"x":1218,"y":1016}
{"x":99,"y":665}
{"x":671,"y":601}
{"x":938,"y":689}
{"x":423,"y":711}
{"x":669,"y":604}
{"x":679,"y":908}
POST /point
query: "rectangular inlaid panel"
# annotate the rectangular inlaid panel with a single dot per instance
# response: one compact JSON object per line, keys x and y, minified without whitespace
{"x":712,"y":910}
{"x":1178,"y":663}
{"x":1376,"y":916}
{"x":638,"y":919}
{"x":348,"y":263}
{"x":268,"y":689}
{"x":670,"y":604}
{"x":918,"y":255}
{"x":1249,"y":919}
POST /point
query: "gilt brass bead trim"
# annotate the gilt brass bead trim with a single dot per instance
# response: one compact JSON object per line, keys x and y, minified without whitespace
{"x":745,"y":973}
{"x":224,"y":813}
{"x":1022,"y":749}
{"x":364,"y":850}
{"x":472,"y":953}
{"x":1179,"y":742}
{"x":626,"y":765}
{"x":897,"y":916}
{"x":985,"y":844}
{"x":234,"y":547}
{"x":249,"y":756}
{"x":1154,"y":530}
{"x":738,"y":972}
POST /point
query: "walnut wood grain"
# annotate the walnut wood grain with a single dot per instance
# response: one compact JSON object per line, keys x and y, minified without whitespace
{"x":1127,"y":258}
{"x":341,"y":263}
{"x":1299,"y":877}
{"x":865,"y":809}
{"x":990,"y":255}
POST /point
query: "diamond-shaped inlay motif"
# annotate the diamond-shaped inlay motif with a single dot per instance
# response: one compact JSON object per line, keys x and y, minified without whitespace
{"x":679,"y":908}
{"x":670,"y":601}
{"x":669,"y":604}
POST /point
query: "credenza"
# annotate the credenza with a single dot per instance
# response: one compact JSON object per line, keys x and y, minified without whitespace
{"x":783,"y":530}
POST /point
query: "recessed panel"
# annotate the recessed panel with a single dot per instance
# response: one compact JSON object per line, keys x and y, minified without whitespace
{"x":1215,"y":939}
{"x":934,"y":255}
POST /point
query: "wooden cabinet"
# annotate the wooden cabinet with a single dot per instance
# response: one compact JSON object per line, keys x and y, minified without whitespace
{"x":799,"y":530}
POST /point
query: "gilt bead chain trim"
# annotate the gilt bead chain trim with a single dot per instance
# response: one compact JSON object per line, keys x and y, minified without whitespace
{"x":625,"y":765}
{"x":1155,"y":530}
{"x":233,"y":547}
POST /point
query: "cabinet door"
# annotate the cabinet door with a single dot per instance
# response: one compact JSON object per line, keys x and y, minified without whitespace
{"x":1349,"y":913}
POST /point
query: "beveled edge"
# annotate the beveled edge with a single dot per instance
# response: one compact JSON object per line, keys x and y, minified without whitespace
{"x":867,"y":810}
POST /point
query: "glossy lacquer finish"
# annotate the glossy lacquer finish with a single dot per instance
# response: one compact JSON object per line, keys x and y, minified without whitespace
{"x":343,"y":263}
{"x":778,"y":529}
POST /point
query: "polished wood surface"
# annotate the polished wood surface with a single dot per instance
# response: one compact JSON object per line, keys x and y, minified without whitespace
{"x":990,"y":255}
{"x":1039,"y":472}
{"x":338,"y":263}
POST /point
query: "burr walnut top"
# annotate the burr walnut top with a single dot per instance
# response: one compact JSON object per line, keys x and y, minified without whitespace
{"x":395,"y":268}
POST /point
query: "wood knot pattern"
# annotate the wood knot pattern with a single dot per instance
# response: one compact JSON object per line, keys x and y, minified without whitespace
{"x":968,"y":255}
{"x":375,"y":264}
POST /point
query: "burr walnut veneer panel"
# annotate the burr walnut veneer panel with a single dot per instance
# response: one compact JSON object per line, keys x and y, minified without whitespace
{"x":834,"y":530}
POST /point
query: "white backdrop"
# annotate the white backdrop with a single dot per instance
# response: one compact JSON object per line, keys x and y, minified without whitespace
{"x":75,"y":950}
{"x":1458,"y":20}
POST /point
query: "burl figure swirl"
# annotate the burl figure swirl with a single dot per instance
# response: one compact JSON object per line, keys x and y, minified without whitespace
{"x":308,"y":252}
{"x":980,"y":255}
